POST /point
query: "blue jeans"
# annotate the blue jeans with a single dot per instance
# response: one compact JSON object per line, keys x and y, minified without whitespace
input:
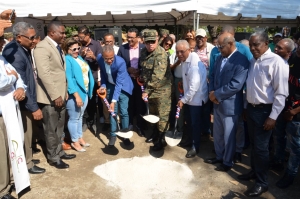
{"x":193,"y":116}
{"x":279,"y":136}
{"x":122,"y":105}
{"x":293,"y":138}
{"x":259,"y":139}
{"x":75,"y":117}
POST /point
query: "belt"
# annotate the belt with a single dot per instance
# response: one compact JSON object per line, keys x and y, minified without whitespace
{"x":260,"y":105}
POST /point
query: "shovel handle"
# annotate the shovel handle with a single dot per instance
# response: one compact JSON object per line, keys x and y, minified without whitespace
{"x":108,"y":106}
{"x":177,"y":112}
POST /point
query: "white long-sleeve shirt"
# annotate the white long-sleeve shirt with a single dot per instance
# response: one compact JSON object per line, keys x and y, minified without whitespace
{"x":267,"y":82}
{"x":194,"y":81}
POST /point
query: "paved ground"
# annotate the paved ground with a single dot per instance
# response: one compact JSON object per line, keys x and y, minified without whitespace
{"x":80,"y":182}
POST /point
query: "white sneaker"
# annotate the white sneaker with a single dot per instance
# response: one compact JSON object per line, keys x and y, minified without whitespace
{"x":101,"y":120}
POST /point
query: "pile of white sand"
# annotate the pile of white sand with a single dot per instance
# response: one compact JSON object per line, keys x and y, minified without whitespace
{"x":148,"y":177}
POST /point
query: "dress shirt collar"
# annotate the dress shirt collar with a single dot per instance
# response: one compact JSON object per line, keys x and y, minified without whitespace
{"x":54,"y":43}
{"x":189,"y":59}
{"x":231,"y":54}
{"x":264,"y":55}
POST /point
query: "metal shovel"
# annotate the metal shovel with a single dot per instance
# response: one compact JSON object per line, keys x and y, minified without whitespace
{"x":150,"y":118}
{"x":174,"y":138}
{"x":124,"y":133}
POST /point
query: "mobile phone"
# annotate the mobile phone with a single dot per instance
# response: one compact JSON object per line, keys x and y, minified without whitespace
{"x":11,"y":14}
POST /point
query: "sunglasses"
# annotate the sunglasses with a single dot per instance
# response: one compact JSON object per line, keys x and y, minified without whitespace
{"x":150,"y":42}
{"x":74,"y":49}
{"x":169,"y":44}
{"x":30,"y":38}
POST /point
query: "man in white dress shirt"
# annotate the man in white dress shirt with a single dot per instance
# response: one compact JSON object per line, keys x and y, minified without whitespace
{"x":195,"y":91}
{"x":267,"y":89}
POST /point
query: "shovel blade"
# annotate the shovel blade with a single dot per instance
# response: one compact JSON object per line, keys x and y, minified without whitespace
{"x":151,"y":118}
{"x":173,"y":138}
{"x":125,"y":134}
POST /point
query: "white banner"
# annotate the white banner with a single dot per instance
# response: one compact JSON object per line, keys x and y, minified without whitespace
{"x":15,"y":135}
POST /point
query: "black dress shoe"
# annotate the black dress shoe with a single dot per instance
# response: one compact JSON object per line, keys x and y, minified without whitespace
{"x":8,"y":196}
{"x":126,"y":142}
{"x":256,"y":190}
{"x":59,"y":164}
{"x":140,"y":132}
{"x":237,"y":157}
{"x":247,"y":176}
{"x":213,"y":161}
{"x":191,"y":153}
{"x":223,"y":167}
{"x":35,"y":150}
{"x":285,"y":181}
{"x":36,"y":170}
{"x":105,"y":127}
{"x":36,"y":161}
{"x":68,"y":156}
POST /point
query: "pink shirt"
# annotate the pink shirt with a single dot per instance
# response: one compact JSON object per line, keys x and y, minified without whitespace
{"x":134,"y":57}
{"x":203,"y":56}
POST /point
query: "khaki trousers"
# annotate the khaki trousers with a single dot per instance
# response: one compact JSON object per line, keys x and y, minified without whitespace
{"x":27,"y":120}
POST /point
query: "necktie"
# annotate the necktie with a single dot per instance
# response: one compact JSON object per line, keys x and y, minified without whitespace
{"x":60,"y":52}
{"x":223,"y":63}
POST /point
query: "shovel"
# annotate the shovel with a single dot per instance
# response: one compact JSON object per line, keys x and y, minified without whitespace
{"x":174,"y":138}
{"x":124,"y":133}
{"x":150,"y":118}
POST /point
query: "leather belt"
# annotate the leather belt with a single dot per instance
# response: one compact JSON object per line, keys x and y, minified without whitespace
{"x":260,"y":105}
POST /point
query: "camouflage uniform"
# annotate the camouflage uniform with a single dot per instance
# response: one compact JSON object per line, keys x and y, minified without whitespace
{"x":156,"y":72}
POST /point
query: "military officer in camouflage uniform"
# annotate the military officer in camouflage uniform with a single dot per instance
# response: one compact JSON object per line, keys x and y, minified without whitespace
{"x":156,"y":73}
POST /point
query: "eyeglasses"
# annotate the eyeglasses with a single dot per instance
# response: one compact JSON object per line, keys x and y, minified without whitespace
{"x":169,"y":44}
{"x":81,"y":38}
{"x":181,"y":51}
{"x":150,"y":42}
{"x":131,"y":37}
{"x":30,"y":38}
{"x":74,"y":49}
{"x":221,"y":46}
{"x":108,"y":59}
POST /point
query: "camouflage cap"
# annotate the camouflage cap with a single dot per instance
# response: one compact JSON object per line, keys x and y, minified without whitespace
{"x":163,"y":32}
{"x":8,"y":35}
{"x":150,"y":35}
{"x":74,"y":33}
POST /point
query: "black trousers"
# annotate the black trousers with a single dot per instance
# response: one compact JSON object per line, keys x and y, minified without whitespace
{"x":137,"y":106}
{"x":53,"y":123}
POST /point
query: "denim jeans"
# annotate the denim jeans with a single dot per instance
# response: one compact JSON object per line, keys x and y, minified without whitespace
{"x":122,"y":105}
{"x":293,"y":138}
{"x":75,"y":117}
{"x":193,"y":116}
{"x":259,"y":139}
{"x":279,"y":136}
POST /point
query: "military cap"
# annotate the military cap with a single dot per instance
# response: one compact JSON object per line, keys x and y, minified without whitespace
{"x":150,"y":35}
{"x":74,"y":33}
{"x":164,"y":32}
{"x":8,"y":35}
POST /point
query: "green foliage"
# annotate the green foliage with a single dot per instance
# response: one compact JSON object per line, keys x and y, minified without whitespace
{"x":69,"y":30}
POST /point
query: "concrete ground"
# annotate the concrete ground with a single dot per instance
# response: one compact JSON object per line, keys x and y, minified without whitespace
{"x":80,"y":182}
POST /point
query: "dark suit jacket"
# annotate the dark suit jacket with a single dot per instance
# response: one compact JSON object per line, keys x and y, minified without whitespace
{"x":124,"y":53}
{"x":228,"y":84}
{"x":119,"y":74}
{"x":20,"y":59}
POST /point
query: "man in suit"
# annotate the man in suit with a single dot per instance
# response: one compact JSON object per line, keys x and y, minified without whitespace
{"x":51,"y":91}
{"x":131,"y":52}
{"x":225,"y":91}
{"x":18,"y":54}
{"x":116,"y":81}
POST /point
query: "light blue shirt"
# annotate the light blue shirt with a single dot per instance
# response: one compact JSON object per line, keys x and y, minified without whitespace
{"x":6,"y":81}
{"x":108,"y":72}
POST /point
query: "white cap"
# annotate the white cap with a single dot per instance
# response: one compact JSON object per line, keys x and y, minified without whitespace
{"x":278,"y":34}
{"x":201,"y":32}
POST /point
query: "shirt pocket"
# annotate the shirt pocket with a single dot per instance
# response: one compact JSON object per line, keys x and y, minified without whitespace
{"x":265,"y":77}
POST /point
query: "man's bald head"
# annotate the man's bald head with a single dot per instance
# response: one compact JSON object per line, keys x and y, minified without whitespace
{"x":228,"y":29}
{"x":226,"y":43}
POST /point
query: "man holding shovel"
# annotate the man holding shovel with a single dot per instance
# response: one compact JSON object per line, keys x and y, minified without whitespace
{"x":195,"y":92}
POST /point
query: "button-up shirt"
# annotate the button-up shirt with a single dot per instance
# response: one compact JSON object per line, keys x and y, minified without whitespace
{"x":108,"y":72}
{"x":267,"y":82}
{"x":134,"y":57}
{"x":225,"y":59}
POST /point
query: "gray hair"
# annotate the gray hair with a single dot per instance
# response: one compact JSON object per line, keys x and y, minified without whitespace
{"x":184,"y":43}
{"x":263,"y":36}
{"x":229,"y":39}
{"x":173,"y":37}
{"x":245,"y":42}
{"x":290,"y":45}
{"x":108,"y":48}
{"x":21,"y":28}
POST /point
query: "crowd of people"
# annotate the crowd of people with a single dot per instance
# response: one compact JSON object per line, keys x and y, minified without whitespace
{"x":250,"y":87}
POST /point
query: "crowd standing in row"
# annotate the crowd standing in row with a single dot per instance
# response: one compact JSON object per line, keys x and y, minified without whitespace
{"x":244,"y":85}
